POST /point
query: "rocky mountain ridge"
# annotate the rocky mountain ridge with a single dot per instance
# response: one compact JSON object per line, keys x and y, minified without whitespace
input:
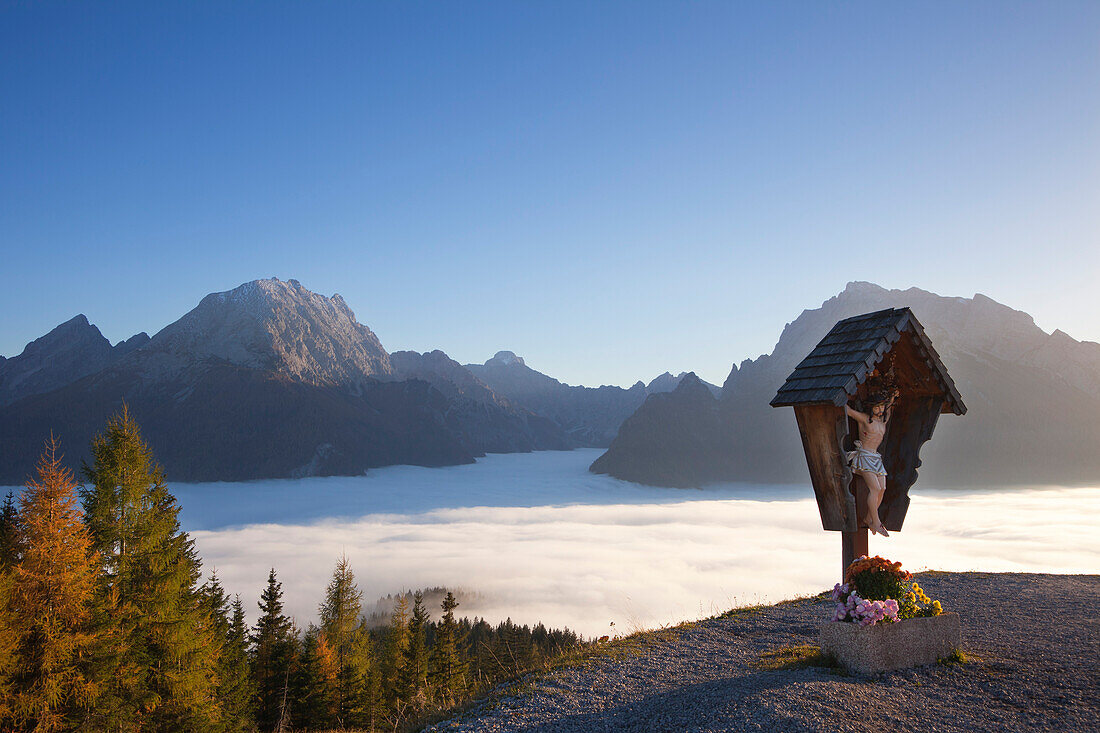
{"x":265,"y":380}
{"x":70,"y":351}
{"x":1032,"y":401}
{"x":591,"y":416}
{"x":272,"y":325}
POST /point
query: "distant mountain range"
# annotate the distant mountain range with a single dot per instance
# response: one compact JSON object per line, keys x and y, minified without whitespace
{"x":591,"y":416}
{"x":272,"y":380}
{"x":1033,"y":399}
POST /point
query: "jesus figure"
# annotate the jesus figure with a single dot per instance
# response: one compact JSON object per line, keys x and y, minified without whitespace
{"x":865,"y":460}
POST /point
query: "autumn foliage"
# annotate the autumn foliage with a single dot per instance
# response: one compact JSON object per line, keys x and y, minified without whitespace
{"x":105,"y":625}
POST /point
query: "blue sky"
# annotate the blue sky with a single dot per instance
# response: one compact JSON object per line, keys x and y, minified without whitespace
{"x":608,"y":189}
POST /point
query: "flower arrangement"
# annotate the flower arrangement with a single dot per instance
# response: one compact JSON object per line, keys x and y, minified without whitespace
{"x":916,"y":604}
{"x":865,"y":612}
{"x":878,"y":578}
{"x":877,"y":590}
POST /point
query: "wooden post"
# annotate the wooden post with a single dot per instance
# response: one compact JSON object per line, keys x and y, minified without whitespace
{"x":852,"y":545}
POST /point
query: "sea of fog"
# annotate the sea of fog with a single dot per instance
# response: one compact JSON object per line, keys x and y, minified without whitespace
{"x":536,"y":537}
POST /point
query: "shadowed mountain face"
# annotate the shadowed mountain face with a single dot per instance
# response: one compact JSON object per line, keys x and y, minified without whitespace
{"x":666,"y":383}
{"x":270,"y":379}
{"x":590,"y":416}
{"x":484,"y":422}
{"x":73,"y":350}
{"x":230,"y":423}
{"x":266,"y":380}
{"x":682,"y":430}
{"x":1033,"y":398}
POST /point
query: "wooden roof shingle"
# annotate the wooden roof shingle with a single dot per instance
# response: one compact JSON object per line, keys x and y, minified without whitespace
{"x":849,"y":353}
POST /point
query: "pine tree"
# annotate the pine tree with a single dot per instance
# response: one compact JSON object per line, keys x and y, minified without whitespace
{"x":341,"y":609}
{"x":234,"y":687}
{"x":393,"y":661}
{"x":340,"y":625}
{"x":237,"y":695}
{"x":316,"y":683}
{"x":51,"y":588}
{"x":9,"y":635}
{"x":448,"y":671}
{"x":9,"y":532}
{"x":363,"y":682}
{"x":415,"y":673}
{"x":159,"y":659}
{"x":9,"y":555}
{"x":274,"y":651}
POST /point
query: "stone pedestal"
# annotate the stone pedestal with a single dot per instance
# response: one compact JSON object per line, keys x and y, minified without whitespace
{"x":898,"y":645}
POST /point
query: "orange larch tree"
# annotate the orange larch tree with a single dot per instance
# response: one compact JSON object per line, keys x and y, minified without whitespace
{"x":51,"y":589}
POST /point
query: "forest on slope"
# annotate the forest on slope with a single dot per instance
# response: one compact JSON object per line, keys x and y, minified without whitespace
{"x":105,"y":625}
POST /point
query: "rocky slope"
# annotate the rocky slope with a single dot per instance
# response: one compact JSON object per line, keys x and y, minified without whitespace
{"x":270,"y":379}
{"x":590,"y":416}
{"x":741,"y":671}
{"x":484,"y":421}
{"x":682,"y":429}
{"x":275,"y":326}
{"x":73,"y":350}
{"x":266,"y":380}
{"x":667,"y":382}
{"x":1032,"y":400}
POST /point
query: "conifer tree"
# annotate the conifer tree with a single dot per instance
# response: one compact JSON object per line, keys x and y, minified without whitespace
{"x":159,"y":658}
{"x":448,"y":671}
{"x":234,"y":687}
{"x":9,"y":555}
{"x":316,"y":683}
{"x":9,"y":635}
{"x":341,"y":609}
{"x":340,"y":625}
{"x":363,"y":682}
{"x":274,"y":650}
{"x":237,"y":693}
{"x":9,"y":532}
{"x":393,"y":662}
{"x":51,"y":587}
{"x":415,"y":679}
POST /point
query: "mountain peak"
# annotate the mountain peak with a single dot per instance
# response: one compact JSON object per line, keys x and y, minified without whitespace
{"x":691,"y":386}
{"x":68,"y":352}
{"x":505,"y":358}
{"x":278,"y":325}
{"x":78,"y":320}
{"x":862,"y":287}
{"x":76,"y":329}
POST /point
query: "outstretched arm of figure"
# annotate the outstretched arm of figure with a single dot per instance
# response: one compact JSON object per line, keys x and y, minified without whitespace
{"x":856,"y":415}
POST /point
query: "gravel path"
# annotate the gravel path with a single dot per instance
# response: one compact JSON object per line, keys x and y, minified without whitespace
{"x":1033,"y":671}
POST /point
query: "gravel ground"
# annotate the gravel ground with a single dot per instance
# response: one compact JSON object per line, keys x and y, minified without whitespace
{"x":1034,"y":666}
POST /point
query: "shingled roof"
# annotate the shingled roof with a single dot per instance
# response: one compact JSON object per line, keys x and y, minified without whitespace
{"x":848,"y":354}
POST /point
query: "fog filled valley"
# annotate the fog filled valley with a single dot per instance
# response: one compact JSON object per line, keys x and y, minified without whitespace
{"x":537,"y":538}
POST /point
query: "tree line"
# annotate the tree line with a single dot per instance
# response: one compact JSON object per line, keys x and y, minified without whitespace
{"x":105,"y":625}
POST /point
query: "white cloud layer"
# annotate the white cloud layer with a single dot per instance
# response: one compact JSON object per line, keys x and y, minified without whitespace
{"x":644,"y":565}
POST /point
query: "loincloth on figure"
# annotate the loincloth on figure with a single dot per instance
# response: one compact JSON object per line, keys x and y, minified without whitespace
{"x":862,"y":459}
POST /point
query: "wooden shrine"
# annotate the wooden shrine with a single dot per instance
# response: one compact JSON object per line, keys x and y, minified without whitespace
{"x":853,"y":360}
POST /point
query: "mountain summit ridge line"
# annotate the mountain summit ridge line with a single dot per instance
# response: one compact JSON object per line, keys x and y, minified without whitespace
{"x":270,"y":379}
